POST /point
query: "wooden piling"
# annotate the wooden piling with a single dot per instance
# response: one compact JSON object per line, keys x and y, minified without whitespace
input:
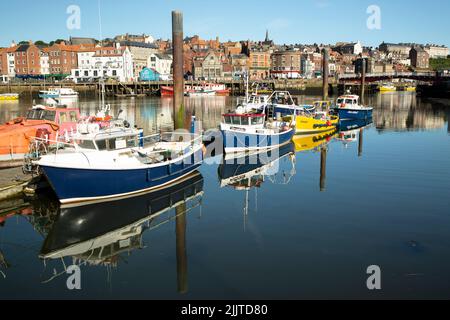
{"x":178,"y":77}
{"x":363,"y":79}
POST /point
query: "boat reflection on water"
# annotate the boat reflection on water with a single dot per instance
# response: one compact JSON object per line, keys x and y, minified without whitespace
{"x":98,"y":234}
{"x":251,"y":171}
{"x":352,"y":131}
{"x":317,"y":143}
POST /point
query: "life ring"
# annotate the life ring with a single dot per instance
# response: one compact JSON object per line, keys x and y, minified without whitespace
{"x":342,"y":105}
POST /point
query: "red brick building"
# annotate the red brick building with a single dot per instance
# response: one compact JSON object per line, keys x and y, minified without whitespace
{"x":28,"y":59}
{"x":63,"y":58}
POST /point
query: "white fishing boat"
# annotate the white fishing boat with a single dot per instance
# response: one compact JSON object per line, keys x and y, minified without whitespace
{"x":201,"y":93}
{"x":118,"y":161}
{"x":58,"y":93}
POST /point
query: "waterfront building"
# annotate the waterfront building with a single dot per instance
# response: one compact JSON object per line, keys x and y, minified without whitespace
{"x":45,"y":63}
{"x":149,"y":74}
{"x":239,"y":63}
{"x":63,"y":57}
{"x":209,"y":68}
{"x":109,"y":62}
{"x":286,"y":64}
{"x":307,"y":67}
{"x":27,"y":59}
{"x":259,"y":64}
{"x":162,"y":64}
{"x":420,"y":58}
{"x":140,"y":51}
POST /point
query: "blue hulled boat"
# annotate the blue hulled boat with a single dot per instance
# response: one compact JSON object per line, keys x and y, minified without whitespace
{"x":119,"y":162}
{"x":348,"y":107}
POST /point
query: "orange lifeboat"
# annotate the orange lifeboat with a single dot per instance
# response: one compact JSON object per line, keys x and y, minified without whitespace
{"x":40,"y":121}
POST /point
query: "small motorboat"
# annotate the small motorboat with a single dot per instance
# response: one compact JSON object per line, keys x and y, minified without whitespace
{"x":348,"y":107}
{"x":250,"y":132}
{"x":387,"y":87}
{"x":9,"y":96}
{"x":58,"y":93}
{"x":101,"y":164}
{"x":201,"y":93}
{"x":47,"y":123}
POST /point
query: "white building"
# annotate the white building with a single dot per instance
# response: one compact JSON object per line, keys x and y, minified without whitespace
{"x":108,"y":62}
{"x":307,"y":67}
{"x":437,"y":51}
{"x":162,"y":63}
{"x":45,"y":64}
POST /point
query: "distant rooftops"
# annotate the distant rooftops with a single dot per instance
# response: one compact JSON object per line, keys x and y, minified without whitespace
{"x":128,"y":43}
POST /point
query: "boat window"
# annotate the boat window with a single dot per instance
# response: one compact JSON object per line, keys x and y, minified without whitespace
{"x":38,"y":114}
{"x":348,"y":101}
{"x":73,"y":116}
{"x":236,"y":120}
{"x":101,"y":145}
{"x":257,"y":120}
{"x":340,"y":101}
{"x":86,"y":144}
{"x":62,"y":117}
{"x":227,"y":119}
{"x":354,"y":101}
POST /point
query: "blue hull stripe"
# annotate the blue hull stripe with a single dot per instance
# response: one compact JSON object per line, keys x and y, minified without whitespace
{"x":242,"y":140}
{"x":354,"y":114}
{"x":77,"y":185}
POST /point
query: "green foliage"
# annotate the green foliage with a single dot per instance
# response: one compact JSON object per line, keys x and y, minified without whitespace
{"x":41,"y":43}
{"x":440,"y":63}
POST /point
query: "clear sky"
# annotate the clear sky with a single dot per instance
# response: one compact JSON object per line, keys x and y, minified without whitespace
{"x":288,"y":21}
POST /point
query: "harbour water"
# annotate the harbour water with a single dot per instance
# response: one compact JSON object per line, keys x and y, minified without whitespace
{"x":309,"y":227}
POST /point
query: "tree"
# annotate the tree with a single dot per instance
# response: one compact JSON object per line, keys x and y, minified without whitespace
{"x":41,"y":43}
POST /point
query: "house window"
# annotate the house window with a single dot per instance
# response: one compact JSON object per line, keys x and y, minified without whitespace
{"x":86,"y":73}
{"x":114,"y":73}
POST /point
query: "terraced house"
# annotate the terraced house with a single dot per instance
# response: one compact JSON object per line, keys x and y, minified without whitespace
{"x":63,"y":58}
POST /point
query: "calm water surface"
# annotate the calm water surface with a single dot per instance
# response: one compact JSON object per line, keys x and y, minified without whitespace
{"x":308,"y":226}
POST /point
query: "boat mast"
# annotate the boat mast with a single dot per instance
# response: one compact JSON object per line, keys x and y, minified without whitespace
{"x":102,"y":82}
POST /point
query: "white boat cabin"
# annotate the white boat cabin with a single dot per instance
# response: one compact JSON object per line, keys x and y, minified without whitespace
{"x":348,"y":101}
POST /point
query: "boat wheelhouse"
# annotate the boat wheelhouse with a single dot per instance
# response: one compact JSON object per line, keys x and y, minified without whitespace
{"x":250,"y":132}
{"x":119,"y":161}
{"x":46,"y":123}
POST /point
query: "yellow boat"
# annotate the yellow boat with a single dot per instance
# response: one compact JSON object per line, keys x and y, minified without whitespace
{"x":316,"y":123}
{"x":9,"y":96}
{"x":410,"y":89}
{"x":313,"y":141}
{"x":387,"y":88}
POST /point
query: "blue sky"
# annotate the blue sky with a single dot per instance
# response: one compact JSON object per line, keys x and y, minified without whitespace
{"x":289,"y":21}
